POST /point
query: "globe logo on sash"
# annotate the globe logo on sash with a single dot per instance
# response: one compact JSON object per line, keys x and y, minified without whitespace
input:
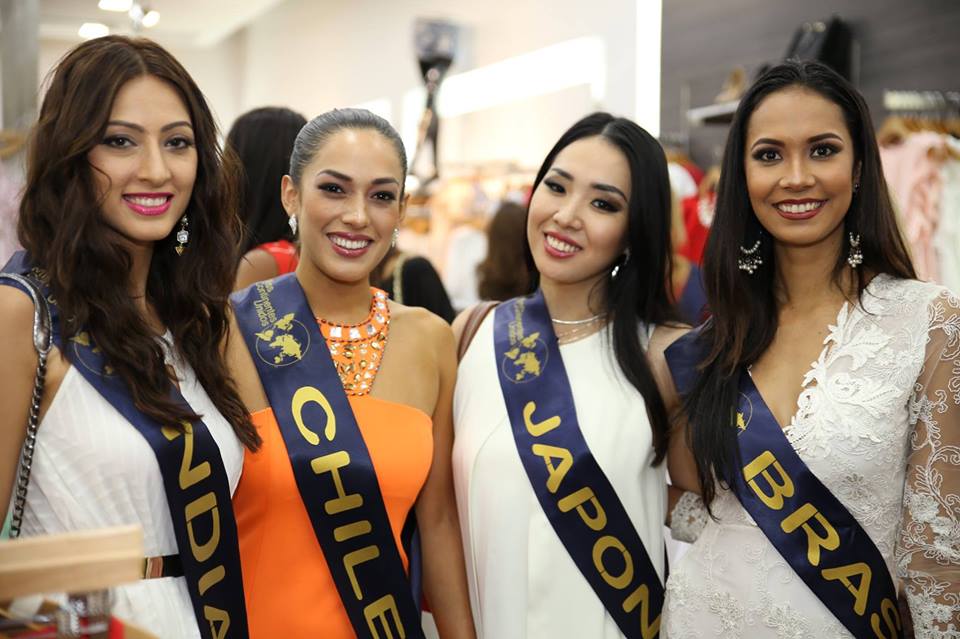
{"x":83,"y":351}
{"x":745,"y":414}
{"x":283,"y":343}
{"x":526,"y":360}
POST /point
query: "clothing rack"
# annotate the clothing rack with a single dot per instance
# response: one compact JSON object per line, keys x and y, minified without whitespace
{"x":922,"y":101}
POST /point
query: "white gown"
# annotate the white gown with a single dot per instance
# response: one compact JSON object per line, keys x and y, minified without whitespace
{"x":523,"y":584}
{"x":878,"y":422}
{"x":92,"y":469}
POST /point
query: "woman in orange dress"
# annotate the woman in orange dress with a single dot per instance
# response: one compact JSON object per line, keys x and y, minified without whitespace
{"x":320,"y":533}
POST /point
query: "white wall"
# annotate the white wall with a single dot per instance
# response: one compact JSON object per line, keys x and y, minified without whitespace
{"x":217,"y":70}
{"x":314,"y":56}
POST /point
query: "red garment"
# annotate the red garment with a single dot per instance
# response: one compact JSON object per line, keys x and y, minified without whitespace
{"x":284,"y":253}
{"x":696,"y":231}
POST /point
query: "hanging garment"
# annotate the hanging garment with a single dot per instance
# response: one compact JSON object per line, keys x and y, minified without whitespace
{"x":912,"y":170}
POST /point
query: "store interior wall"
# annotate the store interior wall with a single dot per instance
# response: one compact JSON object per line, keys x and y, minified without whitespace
{"x":313,"y":56}
{"x":903,"y":46}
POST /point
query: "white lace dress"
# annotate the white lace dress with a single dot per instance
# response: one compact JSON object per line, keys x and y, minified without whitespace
{"x":878,"y":422}
{"x":523,"y":583}
{"x":92,"y":469}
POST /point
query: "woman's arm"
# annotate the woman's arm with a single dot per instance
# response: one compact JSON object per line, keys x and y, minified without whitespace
{"x":686,"y":514}
{"x":928,"y":550}
{"x":255,"y":266}
{"x":444,"y":574}
{"x":17,"y":370}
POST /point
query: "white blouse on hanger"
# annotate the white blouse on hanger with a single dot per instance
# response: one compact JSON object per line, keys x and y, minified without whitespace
{"x":523,"y":583}
{"x":878,"y":422}
{"x":92,"y":469}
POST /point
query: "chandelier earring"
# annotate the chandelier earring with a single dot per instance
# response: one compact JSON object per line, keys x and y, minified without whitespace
{"x":750,"y":259}
{"x":855,"y":256}
{"x":183,"y":236}
{"x":396,"y":236}
{"x":293,"y":224}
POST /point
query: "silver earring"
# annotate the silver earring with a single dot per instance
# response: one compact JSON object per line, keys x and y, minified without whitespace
{"x":855,"y":257}
{"x":293,"y":224}
{"x":616,"y":267}
{"x":751,"y":259}
{"x":183,"y":236}
{"x":396,"y":236}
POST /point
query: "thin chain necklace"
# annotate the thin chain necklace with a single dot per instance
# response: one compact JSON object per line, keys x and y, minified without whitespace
{"x":582,"y":329}
{"x":580,"y":322}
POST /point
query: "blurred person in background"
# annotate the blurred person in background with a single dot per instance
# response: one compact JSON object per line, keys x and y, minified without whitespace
{"x":263,"y":140}
{"x":411,"y":280}
{"x":504,"y":273}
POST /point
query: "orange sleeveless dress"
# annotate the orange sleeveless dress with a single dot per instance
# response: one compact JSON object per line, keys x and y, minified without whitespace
{"x":288,"y":586}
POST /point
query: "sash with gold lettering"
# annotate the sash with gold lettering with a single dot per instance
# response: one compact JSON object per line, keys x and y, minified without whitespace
{"x":331,"y":464}
{"x":813,"y":531}
{"x":575,"y":494}
{"x":194,"y":479}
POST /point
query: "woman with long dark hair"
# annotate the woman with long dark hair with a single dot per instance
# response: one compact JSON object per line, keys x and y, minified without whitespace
{"x":129,"y":224}
{"x":503,"y":272}
{"x":823,"y":398}
{"x":351,"y":393}
{"x":262,"y":140}
{"x":560,"y":423}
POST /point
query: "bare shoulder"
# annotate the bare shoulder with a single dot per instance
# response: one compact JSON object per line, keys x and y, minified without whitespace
{"x":663,"y":336}
{"x":257,"y":265}
{"x":16,"y":317}
{"x":418,"y":323}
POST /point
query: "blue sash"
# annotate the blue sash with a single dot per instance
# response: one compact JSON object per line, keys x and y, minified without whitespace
{"x":194,"y":480}
{"x":805,"y":522}
{"x":575,"y":495}
{"x":331,"y":464}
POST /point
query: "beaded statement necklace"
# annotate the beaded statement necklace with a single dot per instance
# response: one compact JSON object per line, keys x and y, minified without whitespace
{"x":357,"y":349}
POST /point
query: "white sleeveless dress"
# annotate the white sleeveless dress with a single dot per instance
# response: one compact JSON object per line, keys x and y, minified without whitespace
{"x":523,"y":584}
{"x":92,"y":469}
{"x":878,"y":422}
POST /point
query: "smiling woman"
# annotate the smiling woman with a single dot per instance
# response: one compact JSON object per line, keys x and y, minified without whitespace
{"x":128,"y":221}
{"x":834,"y":484}
{"x":321,"y":351}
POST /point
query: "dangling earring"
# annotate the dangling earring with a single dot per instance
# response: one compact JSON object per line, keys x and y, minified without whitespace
{"x":855,"y":257}
{"x":293,"y":224}
{"x":182,"y":235}
{"x":751,"y":259}
{"x":616,"y":267}
{"x":396,"y":236}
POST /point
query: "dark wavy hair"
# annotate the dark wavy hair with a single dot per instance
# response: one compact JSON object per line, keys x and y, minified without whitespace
{"x":62,"y":227}
{"x":640,"y":291}
{"x":263,"y":139}
{"x":503,"y":272}
{"x":745,"y":308}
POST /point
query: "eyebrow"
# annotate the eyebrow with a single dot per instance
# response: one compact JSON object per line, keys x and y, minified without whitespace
{"x":811,"y":140}
{"x":347,"y":178}
{"x":137,"y":127}
{"x":608,"y":188}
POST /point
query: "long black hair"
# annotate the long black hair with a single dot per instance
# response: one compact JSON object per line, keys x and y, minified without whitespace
{"x":745,"y":307}
{"x":640,"y":290}
{"x":263,"y":139}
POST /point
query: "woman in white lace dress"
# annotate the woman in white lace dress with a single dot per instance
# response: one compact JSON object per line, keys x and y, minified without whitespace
{"x":816,"y":309}
{"x":128,"y":218}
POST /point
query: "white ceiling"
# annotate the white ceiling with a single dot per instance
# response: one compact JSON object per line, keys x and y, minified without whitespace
{"x":199,"y":23}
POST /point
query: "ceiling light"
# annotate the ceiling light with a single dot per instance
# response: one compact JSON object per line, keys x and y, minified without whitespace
{"x":151,"y":19}
{"x":115,"y":5}
{"x":89,"y":30}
